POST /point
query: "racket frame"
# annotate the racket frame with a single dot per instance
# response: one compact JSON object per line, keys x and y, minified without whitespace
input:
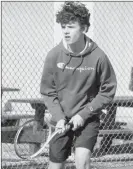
{"x":39,"y":151}
{"x":17,"y":138}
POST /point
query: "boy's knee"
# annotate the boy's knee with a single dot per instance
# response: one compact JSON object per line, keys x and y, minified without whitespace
{"x":82,"y":157}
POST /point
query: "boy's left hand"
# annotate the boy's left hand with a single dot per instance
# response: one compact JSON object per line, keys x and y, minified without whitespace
{"x":77,"y":122}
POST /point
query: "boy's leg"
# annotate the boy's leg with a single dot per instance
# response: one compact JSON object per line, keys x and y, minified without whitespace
{"x":86,"y":138}
{"x":59,"y":149}
{"x":82,"y":158}
{"x":53,"y":165}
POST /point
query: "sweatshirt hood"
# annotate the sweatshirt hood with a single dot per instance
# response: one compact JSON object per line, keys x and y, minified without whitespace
{"x":90,"y":46}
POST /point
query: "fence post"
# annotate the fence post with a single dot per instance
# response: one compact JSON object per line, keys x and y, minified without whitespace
{"x":131,"y":80}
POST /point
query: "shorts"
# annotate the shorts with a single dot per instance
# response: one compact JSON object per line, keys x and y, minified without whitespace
{"x":86,"y":136}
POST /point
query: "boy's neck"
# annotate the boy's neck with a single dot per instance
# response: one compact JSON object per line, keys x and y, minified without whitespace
{"x":78,"y":46}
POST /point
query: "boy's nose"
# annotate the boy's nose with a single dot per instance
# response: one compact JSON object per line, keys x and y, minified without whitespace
{"x":66,"y":31}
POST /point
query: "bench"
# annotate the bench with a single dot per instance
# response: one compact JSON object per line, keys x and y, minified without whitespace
{"x":108,"y":132}
{"x":10,"y":124}
{"x":11,"y":115}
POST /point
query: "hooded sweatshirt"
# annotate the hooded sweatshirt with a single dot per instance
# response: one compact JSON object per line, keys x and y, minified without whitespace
{"x":77,"y":84}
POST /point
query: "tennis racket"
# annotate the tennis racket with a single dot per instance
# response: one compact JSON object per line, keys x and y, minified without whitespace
{"x":25,"y":139}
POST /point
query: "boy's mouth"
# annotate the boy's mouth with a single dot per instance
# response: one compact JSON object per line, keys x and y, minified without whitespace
{"x":67,"y":37}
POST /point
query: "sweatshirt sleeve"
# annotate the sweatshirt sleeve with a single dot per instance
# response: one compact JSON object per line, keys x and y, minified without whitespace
{"x":107,"y":83}
{"x":48,"y":89}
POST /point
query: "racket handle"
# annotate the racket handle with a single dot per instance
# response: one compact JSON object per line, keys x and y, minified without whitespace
{"x":71,"y":125}
{"x":67,"y":119}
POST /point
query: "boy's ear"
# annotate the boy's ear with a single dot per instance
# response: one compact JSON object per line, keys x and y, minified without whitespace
{"x":84,"y":28}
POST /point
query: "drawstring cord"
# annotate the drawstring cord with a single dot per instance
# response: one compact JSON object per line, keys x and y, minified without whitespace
{"x":82,"y":58}
{"x":79,"y":64}
{"x":57,"y":90}
{"x":67,"y":62}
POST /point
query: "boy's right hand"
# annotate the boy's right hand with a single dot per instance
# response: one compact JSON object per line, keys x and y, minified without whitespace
{"x":62,"y":126}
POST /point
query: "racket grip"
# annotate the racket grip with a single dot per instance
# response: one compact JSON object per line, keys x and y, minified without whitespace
{"x":67,"y":121}
{"x":71,"y":125}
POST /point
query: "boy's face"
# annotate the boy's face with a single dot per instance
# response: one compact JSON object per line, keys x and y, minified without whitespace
{"x":72,"y":32}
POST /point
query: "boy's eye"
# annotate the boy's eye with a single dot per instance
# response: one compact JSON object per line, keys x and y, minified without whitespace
{"x":63,"y":27}
{"x":70,"y":26}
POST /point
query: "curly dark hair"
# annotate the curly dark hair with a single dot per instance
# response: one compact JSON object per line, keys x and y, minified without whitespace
{"x":73,"y":11}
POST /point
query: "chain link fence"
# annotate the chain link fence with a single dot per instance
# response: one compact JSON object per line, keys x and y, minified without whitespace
{"x":27,"y":35}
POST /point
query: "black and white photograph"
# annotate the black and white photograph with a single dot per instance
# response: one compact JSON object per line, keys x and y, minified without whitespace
{"x":66,"y":84}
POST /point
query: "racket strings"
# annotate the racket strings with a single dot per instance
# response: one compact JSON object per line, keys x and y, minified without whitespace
{"x":25,"y":139}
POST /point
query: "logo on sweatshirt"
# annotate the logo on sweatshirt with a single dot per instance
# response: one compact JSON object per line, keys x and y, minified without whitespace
{"x":80,"y":69}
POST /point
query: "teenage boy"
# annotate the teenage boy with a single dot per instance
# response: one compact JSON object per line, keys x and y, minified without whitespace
{"x":78,"y":81}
